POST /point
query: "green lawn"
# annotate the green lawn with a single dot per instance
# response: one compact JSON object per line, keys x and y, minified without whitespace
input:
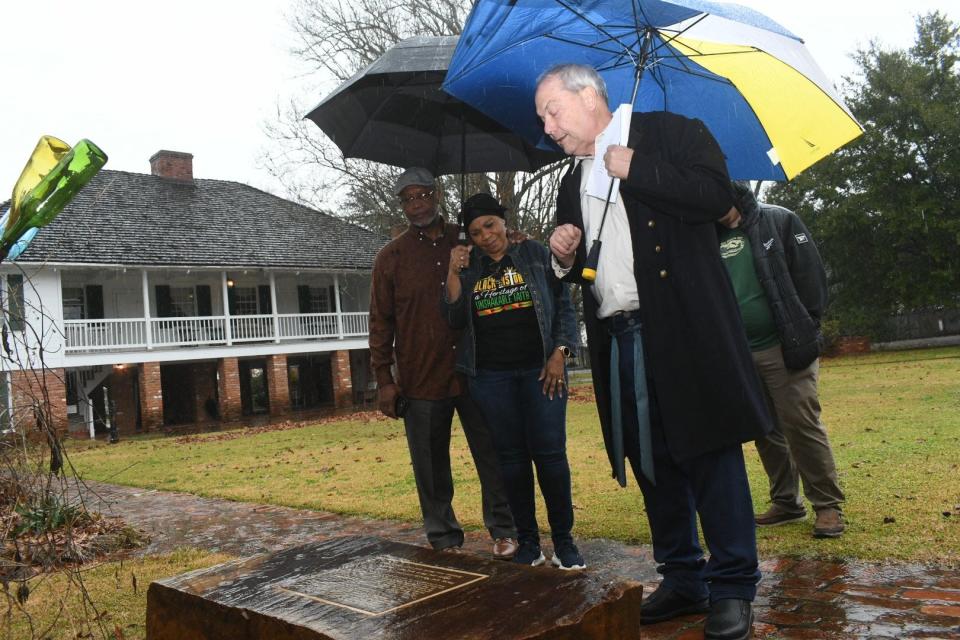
{"x":893,"y":418}
{"x":56,"y":610}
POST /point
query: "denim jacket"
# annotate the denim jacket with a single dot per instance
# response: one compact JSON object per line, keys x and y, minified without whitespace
{"x":551,"y":301}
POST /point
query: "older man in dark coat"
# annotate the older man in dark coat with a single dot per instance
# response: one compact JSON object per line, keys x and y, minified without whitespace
{"x":676,"y":389}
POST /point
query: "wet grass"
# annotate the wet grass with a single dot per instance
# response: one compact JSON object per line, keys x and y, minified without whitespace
{"x":55,"y":609}
{"x":893,"y":419}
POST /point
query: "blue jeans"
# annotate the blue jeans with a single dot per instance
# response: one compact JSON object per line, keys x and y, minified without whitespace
{"x":527,"y":427}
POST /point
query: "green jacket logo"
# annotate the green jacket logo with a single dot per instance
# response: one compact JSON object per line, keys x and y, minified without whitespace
{"x":732,"y":247}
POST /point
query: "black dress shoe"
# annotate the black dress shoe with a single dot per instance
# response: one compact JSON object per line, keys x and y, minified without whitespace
{"x":729,"y":619}
{"x":664,"y":604}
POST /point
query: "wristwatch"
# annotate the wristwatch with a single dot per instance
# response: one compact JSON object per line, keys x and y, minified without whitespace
{"x":565,"y":351}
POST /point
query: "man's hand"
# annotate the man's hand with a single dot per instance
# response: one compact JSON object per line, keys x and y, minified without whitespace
{"x":731,"y":219}
{"x":387,"y":400}
{"x":515,"y":236}
{"x":564,"y":242}
{"x":617,"y":161}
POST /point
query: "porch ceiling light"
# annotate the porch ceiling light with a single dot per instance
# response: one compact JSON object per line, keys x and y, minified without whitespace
{"x":229,"y":282}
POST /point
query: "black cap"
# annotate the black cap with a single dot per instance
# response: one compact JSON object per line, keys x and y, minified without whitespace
{"x":481,"y":204}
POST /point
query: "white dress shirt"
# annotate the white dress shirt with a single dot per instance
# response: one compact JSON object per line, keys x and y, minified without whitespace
{"x":615,"y":288}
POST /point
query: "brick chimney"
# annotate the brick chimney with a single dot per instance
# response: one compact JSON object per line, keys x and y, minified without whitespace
{"x":172,"y":165}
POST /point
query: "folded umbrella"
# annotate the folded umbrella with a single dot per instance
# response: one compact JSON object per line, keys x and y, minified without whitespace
{"x":752,"y":82}
{"x":394,"y":112}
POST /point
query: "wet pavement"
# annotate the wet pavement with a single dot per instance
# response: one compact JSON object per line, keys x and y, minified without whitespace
{"x":797,"y":598}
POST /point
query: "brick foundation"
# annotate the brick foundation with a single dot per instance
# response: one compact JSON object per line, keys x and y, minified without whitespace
{"x":151,"y":396}
{"x":39,"y":391}
{"x":278,"y":384}
{"x":228,"y":387}
{"x":342,"y":380}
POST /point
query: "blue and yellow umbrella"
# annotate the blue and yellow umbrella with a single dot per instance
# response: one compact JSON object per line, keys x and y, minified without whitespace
{"x":752,"y":82}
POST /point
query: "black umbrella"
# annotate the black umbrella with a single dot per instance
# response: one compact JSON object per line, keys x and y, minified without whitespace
{"x":395,"y":113}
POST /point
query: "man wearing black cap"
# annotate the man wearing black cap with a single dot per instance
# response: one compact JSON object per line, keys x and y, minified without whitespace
{"x":405,"y":321}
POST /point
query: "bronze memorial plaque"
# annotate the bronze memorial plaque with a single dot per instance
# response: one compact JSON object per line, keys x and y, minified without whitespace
{"x":353,"y":588}
{"x":380,"y":584}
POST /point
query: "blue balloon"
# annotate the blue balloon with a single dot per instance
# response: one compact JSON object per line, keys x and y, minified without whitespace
{"x":22,"y":242}
{"x":21,"y":245}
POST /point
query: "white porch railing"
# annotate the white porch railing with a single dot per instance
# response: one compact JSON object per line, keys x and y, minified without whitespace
{"x":181,"y":332}
{"x":356,"y":324}
{"x":251,"y":328}
{"x":308,"y":325}
{"x":95,"y":335}
{"x":130,"y":333}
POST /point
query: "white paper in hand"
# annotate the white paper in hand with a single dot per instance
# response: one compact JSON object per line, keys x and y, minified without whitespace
{"x":598,"y":183}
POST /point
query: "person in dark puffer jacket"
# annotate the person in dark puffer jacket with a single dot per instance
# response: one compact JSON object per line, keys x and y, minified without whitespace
{"x":781,"y":287}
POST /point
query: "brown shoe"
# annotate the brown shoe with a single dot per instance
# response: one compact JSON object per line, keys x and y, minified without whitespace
{"x":829,"y":524}
{"x":777,"y":515}
{"x":504,"y":548}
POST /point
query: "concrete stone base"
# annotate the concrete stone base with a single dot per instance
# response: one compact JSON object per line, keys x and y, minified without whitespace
{"x":348,"y":588}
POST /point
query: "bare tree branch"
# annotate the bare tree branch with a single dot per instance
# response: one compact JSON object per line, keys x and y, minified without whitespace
{"x":336,"y":39}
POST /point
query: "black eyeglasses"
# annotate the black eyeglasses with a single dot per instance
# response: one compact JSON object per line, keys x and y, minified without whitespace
{"x":416,"y":196}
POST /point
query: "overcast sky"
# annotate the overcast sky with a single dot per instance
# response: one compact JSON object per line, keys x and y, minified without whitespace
{"x":203,"y":76}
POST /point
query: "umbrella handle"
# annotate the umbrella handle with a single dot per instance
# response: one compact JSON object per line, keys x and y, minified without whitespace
{"x":589,"y":272}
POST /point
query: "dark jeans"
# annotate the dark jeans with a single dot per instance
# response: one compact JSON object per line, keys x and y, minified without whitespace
{"x":428,"y":423}
{"x":714,"y":485}
{"x":528,"y":427}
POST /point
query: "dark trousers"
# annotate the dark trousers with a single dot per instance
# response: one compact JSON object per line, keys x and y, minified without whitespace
{"x":713,"y":485}
{"x":427,"y":424}
{"x":528,"y":429}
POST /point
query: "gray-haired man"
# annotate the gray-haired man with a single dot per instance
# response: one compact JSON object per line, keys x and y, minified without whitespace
{"x":676,"y":388}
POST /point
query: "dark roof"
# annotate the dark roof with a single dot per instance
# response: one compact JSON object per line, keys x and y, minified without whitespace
{"x":138,"y":219}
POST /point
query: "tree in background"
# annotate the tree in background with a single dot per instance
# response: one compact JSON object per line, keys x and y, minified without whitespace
{"x":885,"y":210}
{"x":335,"y":40}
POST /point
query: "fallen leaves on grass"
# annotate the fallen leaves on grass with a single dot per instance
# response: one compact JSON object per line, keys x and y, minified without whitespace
{"x":246,"y":432}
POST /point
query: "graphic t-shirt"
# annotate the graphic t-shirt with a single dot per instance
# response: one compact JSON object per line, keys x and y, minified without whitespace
{"x":505,"y":322}
{"x":738,"y":259}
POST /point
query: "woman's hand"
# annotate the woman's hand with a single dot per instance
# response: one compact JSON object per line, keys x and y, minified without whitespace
{"x":552,"y":375}
{"x":459,"y":259}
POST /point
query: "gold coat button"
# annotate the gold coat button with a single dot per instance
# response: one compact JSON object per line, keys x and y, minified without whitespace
{"x":658,"y":248}
{"x":663,"y":273}
{"x":651,"y":224}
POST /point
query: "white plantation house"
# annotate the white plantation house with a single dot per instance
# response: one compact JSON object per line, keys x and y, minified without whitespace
{"x":162,"y":299}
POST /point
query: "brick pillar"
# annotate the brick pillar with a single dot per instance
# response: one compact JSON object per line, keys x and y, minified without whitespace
{"x":151,"y":395}
{"x":278,"y":384}
{"x":342,"y":382}
{"x":229,"y":390}
{"x":40,"y":391}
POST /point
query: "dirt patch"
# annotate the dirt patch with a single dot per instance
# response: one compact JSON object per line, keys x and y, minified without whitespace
{"x":77,"y":543}
{"x":363,"y":416}
{"x":582,"y":394}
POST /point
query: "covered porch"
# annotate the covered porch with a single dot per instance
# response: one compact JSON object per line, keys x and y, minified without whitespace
{"x":123,"y":309}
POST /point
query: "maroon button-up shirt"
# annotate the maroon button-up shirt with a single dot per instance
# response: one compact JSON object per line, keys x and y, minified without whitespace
{"x":405,"y":320}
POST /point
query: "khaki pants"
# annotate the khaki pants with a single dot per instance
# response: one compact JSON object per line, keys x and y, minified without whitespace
{"x":798,"y":447}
